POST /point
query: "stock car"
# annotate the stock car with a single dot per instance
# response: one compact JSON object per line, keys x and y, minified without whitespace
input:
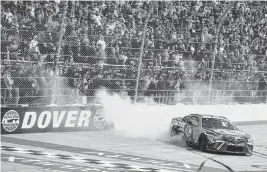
{"x":211,"y":133}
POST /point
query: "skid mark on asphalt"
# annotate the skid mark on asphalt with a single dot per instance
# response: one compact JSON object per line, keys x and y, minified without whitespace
{"x":259,"y":154}
{"x":107,"y":165}
{"x":260,"y":166}
{"x":261,"y":146}
{"x":255,"y":153}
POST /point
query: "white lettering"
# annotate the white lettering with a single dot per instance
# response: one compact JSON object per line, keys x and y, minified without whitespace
{"x":73,"y":119}
{"x":41,"y":119}
{"x":84,"y":119}
{"x":26,"y":123}
{"x":58,"y":119}
{"x":70,"y":118}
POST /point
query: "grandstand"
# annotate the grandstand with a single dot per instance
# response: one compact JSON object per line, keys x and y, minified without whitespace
{"x":62,"y":52}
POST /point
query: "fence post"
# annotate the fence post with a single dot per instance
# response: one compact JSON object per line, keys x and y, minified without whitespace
{"x":230,"y":5}
{"x":141,"y":50}
{"x":8,"y":56}
{"x":56,"y":79}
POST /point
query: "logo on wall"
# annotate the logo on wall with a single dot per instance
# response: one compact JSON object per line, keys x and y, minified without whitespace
{"x":10,"y":121}
{"x":99,"y":120}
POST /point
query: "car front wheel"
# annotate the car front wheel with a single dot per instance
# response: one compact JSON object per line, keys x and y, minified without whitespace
{"x":203,"y":144}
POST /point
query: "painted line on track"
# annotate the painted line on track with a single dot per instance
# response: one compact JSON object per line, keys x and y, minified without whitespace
{"x":100,"y":153}
{"x":179,"y":166}
{"x":108,"y":165}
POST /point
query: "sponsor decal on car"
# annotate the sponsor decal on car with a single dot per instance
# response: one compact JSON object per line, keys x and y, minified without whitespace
{"x":188,"y":131}
{"x":99,"y":120}
{"x":234,"y":133}
{"x":10,"y":121}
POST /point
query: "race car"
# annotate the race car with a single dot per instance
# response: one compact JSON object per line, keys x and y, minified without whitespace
{"x":211,"y":133}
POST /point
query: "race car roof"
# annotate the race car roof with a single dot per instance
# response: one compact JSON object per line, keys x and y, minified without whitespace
{"x":209,"y":116}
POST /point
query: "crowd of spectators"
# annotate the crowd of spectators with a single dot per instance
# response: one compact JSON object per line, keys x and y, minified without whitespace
{"x":94,"y":44}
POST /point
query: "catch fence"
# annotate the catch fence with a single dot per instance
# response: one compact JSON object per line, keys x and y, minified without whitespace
{"x":68,"y":66}
{"x":39,"y":84}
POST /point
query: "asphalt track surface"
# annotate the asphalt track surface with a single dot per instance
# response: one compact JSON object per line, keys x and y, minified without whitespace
{"x":111,"y":151}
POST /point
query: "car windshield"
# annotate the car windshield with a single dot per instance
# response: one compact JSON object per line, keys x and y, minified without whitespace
{"x":214,"y":123}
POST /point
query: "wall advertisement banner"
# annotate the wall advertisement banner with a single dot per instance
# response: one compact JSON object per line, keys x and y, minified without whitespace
{"x":16,"y":120}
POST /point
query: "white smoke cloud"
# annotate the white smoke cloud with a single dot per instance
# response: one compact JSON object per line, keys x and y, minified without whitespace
{"x":143,"y":120}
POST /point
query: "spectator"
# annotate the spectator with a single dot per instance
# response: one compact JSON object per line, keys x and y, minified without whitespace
{"x":179,"y":39}
{"x":34,"y":49}
{"x":10,"y":93}
{"x":261,"y":90}
{"x":101,"y":49}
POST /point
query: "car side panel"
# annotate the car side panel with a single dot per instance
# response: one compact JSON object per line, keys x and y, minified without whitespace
{"x":178,"y":124}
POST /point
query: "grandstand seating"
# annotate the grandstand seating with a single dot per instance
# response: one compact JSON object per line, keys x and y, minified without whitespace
{"x":67,"y":49}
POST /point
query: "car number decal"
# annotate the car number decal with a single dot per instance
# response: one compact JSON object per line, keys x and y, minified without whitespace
{"x":188,"y":131}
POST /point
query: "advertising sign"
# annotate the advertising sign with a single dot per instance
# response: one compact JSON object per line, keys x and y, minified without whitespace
{"x":51,"y":119}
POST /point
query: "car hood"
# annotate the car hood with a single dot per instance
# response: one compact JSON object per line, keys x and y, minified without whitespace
{"x":230,"y":133}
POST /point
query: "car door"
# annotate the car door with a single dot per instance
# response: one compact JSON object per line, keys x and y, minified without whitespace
{"x":194,"y":123}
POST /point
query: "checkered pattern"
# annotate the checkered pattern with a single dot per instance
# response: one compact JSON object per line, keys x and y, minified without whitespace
{"x":133,"y":158}
{"x":102,"y":163}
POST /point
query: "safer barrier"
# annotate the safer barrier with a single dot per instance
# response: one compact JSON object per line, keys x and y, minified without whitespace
{"x":16,"y":120}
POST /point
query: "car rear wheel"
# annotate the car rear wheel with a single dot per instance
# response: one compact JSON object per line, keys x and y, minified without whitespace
{"x":188,"y":143}
{"x":173,"y":132}
{"x":203,"y":144}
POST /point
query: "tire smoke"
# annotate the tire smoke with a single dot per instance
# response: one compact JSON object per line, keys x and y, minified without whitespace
{"x":148,"y":120}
